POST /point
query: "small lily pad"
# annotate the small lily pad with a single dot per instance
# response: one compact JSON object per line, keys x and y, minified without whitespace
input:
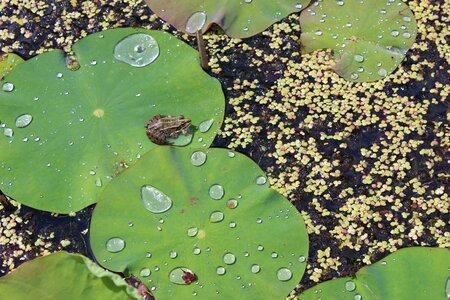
{"x":64,"y":276}
{"x":242,"y":18}
{"x":369,"y":38}
{"x":65,"y":134}
{"x":201,"y":247}
{"x":410,"y":273}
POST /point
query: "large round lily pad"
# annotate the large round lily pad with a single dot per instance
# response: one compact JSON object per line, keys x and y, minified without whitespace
{"x":200,"y":224}
{"x":65,"y":133}
{"x":238,"y":18}
{"x":410,"y":273}
{"x":64,"y":276}
{"x":369,"y":38}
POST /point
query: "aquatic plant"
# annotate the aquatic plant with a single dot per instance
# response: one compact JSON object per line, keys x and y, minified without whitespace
{"x":238,"y":18}
{"x":196,"y":222}
{"x":63,"y":275}
{"x":369,"y":38}
{"x":409,"y":273}
{"x":67,"y":132}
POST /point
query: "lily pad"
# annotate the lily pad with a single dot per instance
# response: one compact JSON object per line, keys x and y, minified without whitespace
{"x":64,"y":276}
{"x":8,"y":62}
{"x":369,"y":38}
{"x":200,"y":224}
{"x":238,"y":18}
{"x":410,"y":273}
{"x":64,"y":134}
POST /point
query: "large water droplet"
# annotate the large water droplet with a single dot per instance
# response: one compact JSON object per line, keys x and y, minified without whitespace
{"x":195,"y":22}
{"x":216,"y":191}
{"x":154,"y":200}
{"x":205,"y":125}
{"x":23,"y":120}
{"x":181,"y":275}
{"x":216,"y":217}
{"x":220,"y":270}
{"x":115,"y":244}
{"x":284,"y":274}
{"x":260,"y":180}
{"x":198,"y":158}
{"x":8,"y":87}
{"x":137,"y":50}
{"x":192,"y":231}
{"x":350,"y":286}
{"x":145,"y":272}
{"x":229,"y":258}
{"x":255,"y":269}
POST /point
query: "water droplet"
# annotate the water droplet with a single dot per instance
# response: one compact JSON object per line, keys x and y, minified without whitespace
{"x":173,"y":254}
{"x":98,"y":182}
{"x":181,"y":275}
{"x":155,"y":200}
{"x":359,"y":58}
{"x":205,"y":125}
{"x":216,"y":191}
{"x":395,"y":33}
{"x":148,"y":255}
{"x":248,"y":1}
{"x":231,"y":154}
{"x":59,"y":75}
{"x":357,"y":297}
{"x":198,"y":158}
{"x":384,"y":263}
{"x":232,"y":224}
{"x":340,"y":3}
{"x":382,"y":11}
{"x":8,"y":132}
{"x":406,"y":19}
{"x":447,"y":288}
{"x":406,"y":35}
{"x":196,"y":251}
{"x":319,"y":32}
{"x":354,"y":76}
{"x":274,"y":255}
{"x":137,"y":50}
{"x":255,"y":269}
{"x":350,"y":286}
{"x":192,"y":231}
{"x":260,"y":180}
{"x":93,"y":62}
{"x":220,"y":270}
{"x":299,"y":6}
{"x":382,"y":72}
{"x":232,"y":203}
{"x":229,"y":258}
{"x":115,"y":244}
{"x":195,"y":22}
{"x":23,"y":120}
{"x":260,"y":248}
{"x":301,"y":259}
{"x":130,"y":224}
{"x":8,"y":87}
{"x":216,"y":217}
{"x":259,"y":220}
{"x":284,"y":274}
{"x":145,"y":272}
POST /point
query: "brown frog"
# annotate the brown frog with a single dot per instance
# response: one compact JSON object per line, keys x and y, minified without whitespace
{"x":161,"y":128}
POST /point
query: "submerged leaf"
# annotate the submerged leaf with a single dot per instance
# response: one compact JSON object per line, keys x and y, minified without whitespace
{"x":369,"y":38}
{"x":225,"y":234}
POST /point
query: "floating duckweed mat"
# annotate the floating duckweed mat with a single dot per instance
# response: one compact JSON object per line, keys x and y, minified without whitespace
{"x":238,"y":18}
{"x":63,"y":275}
{"x":200,"y":224}
{"x":369,"y":38}
{"x":410,"y":273}
{"x":65,"y":133}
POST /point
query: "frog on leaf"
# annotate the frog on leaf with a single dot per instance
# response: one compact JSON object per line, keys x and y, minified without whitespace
{"x":161,"y":128}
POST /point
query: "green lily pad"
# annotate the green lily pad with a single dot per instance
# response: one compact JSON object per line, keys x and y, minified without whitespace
{"x":64,"y":276}
{"x":64,"y":134}
{"x":200,"y":224}
{"x":238,"y":18}
{"x":369,"y":38}
{"x":410,"y":273}
{"x":8,"y":62}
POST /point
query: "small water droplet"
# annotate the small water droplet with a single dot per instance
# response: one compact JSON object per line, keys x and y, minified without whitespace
{"x":145,"y":272}
{"x":198,"y":158}
{"x":260,"y":180}
{"x":319,"y":32}
{"x":154,"y":200}
{"x":357,"y":297}
{"x":23,"y":121}
{"x":220,"y":270}
{"x":196,"y":251}
{"x":232,"y":224}
{"x":216,"y":191}
{"x":231,"y":154}
{"x":137,"y":50}
{"x":98,"y":182}
{"x":205,"y":125}
{"x":255,"y":269}
{"x":395,"y":33}
{"x":406,"y":19}
{"x":260,"y":248}
{"x":284,"y":274}
{"x":192,"y":231}
{"x":350,"y":286}
{"x":115,"y":244}
{"x":148,"y":255}
{"x":232,"y":203}
{"x":354,"y":76}
{"x":274,"y":255}
{"x":59,"y":75}
{"x":259,"y":220}
{"x":195,"y":22}
{"x":181,"y":275}
{"x":8,"y":132}
{"x":301,"y":259}
{"x":173,"y":254}
{"x":299,"y":6}
{"x":406,"y":35}
{"x":229,"y":258}
{"x":384,"y":263}
{"x":216,"y":217}
{"x":8,"y":87}
{"x":359,"y":58}
{"x":382,"y":72}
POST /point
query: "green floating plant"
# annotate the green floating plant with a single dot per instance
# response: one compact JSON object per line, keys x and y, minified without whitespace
{"x":200,"y":224}
{"x":8,"y":62}
{"x":65,"y":133}
{"x":64,"y":276}
{"x":369,"y":38}
{"x":410,"y":273}
{"x":238,"y":18}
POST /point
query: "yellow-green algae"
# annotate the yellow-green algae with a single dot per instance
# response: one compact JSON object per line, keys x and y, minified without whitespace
{"x":304,"y":121}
